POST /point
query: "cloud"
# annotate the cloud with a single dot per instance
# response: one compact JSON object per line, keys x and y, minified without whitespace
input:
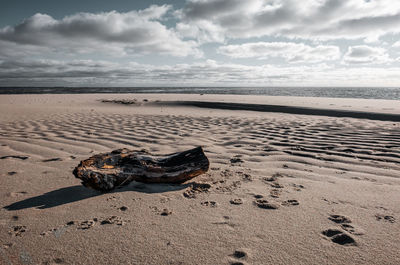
{"x":297,"y":33}
{"x":366,"y":55}
{"x":135,"y":32}
{"x":291,"y":52}
{"x":396,"y":44}
{"x":307,"y":19}
{"x":206,"y":73}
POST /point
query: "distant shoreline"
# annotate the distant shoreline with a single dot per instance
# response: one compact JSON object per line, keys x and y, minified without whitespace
{"x":321,"y":92}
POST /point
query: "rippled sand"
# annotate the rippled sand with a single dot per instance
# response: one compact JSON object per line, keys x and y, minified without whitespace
{"x":281,"y":189}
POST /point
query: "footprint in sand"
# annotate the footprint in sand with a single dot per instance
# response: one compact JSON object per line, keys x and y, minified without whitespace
{"x":239,"y":254}
{"x":269,"y":179}
{"x":236,"y":201}
{"x":84,"y":225}
{"x":113,"y":220}
{"x":165,"y":212}
{"x":387,"y":218}
{"x":276,"y":185}
{"x":264,"y":204}
{"x":229,"y":187}
{"x":17,"y":230}
{"x":339,"y":237}
{"x":345,"y":223}
{"x":275,"y":193}
{"x":290,"y":203}
{"x":297,"y":187}
{"x":195,"y":189}
{"x":209,"y":203}
{"x":246,"y":177}
{"x":112,"y":198}
{"x":339,"y":219}
{"x":238,"y":257}
{"x":352,"y":229}
{"x":117,"y":220}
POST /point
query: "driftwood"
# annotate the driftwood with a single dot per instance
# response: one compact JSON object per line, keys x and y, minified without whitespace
{"x":107,"y":171}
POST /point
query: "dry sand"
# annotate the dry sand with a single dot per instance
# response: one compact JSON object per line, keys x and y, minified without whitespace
{"x":335,"y":183}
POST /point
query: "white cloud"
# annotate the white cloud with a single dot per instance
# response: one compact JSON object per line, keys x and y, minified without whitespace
{"x":291,"y":52}
{"x":245,"y":29}
{"x":396,"y":44}
{"x":366,"y":55}
{"x":135,"y":32}
{"x":308,"y":19}
{"x":203,"y":31}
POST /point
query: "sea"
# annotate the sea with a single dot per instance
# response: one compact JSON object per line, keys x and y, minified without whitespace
{"x":327,"y":92}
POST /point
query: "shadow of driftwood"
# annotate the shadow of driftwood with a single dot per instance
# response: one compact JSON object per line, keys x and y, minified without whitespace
{"x":54,"y":198}
{"x":77,"y":193}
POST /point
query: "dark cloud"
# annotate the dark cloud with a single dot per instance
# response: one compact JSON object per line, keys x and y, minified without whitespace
{"x":200,"y":9}
{"x":363,"y":54}
{"x":384,"y":23}
{"x":284,"y":15}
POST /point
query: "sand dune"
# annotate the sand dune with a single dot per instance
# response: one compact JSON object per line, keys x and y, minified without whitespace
{"x":281,"y":189}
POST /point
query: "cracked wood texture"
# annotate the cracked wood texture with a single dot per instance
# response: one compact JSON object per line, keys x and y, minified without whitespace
{"x":106,"y":171}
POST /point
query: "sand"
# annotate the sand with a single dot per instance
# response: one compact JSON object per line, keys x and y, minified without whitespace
{"x":282,"y":188}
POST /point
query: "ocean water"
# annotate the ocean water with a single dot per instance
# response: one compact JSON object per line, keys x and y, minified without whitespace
{"x":329,"y":92}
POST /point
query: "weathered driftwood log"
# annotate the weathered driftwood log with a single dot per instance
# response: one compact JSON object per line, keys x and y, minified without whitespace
{"x":106,"y":171}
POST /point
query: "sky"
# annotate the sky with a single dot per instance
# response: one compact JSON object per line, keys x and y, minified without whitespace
{"x":122,"y":43}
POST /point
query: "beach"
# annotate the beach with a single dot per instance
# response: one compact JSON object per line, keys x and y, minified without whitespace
{"x":285,"y":186}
